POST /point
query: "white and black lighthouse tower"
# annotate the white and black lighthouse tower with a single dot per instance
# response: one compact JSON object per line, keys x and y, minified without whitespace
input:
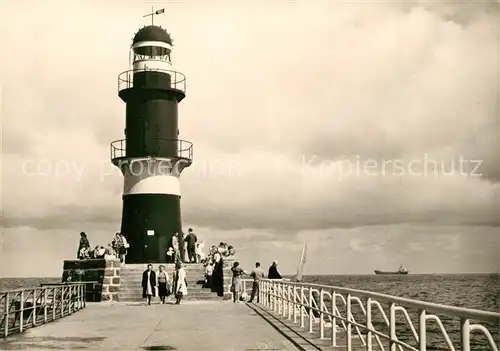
{"x":151,"y":157}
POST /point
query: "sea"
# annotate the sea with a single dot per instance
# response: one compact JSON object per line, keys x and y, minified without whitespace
{"x":476,"y":291}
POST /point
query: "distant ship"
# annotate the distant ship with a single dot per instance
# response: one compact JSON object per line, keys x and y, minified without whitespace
{"x":401,"y":270}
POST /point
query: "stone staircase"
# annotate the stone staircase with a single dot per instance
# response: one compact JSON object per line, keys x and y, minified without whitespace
{"x":131,"y":278}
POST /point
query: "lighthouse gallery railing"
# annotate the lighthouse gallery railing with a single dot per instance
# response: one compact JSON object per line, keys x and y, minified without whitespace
{"x":357,"y":318}
{"x":21,"y":309}
{"x":184,"y":148}
{"x":177,"y":79}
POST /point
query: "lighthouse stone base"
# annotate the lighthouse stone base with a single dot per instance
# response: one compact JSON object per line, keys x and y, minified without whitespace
{"x":103,"y":277}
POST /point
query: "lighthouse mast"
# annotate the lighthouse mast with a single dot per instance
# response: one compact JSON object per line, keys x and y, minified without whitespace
{"x":151,"y":157}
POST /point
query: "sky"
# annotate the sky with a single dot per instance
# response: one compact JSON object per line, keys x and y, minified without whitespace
{"x":369,"y":129}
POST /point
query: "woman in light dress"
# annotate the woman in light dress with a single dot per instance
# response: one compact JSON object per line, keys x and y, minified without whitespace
{"x":236,"y":285}
{"x":200,"y":255}
{"x":180,"y":283}
{"x":176,"y":247}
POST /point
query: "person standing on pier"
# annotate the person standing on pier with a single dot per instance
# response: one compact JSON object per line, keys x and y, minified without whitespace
{"x":200,"y":255}
{"x":170,"y":255}
{"x":273,"y":271}
{"x":182,"y":247}
{"x":257,"y":274}
{"x":83,"y":246}
{"x":209,"y":271}
{"x":217,"y":276}
{"x":191,"y":240}
{"x":118,"y":245}
{"x":180,"y":283}
{"x":175,"y":247}
{"x":148,"y":283}
{"x":236,"y":282}
{"x":163,"y":282}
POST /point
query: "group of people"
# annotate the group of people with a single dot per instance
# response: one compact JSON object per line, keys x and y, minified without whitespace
{"x":185,"y":249}
{"x":116,"y":249}
{"x":256,"y":274}
{"x":152,"y":281}
{"x":213,"y":266}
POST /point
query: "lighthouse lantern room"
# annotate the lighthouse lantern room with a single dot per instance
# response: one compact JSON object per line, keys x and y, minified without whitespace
{"x":151,"y":157}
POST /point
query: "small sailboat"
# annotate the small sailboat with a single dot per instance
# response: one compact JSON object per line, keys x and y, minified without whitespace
{"x":302,"y":262}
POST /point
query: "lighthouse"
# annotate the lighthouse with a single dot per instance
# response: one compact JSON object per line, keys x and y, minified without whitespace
{"x":151,"y":157}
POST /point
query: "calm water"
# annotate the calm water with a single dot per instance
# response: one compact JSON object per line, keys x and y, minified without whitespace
{"x":480,"y":292}
{"x":18,"y":283}
{"x":470,"y":291}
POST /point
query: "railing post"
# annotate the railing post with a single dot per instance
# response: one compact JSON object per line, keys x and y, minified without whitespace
{"x":284,"y":302}
{"x":262,"y":287}
{"x":422,"y":331}
{"x":310,"y":305}
{"x":45,"y":317}
{"x":369,"y":326}
{"x":7,"y":309}
{"x":465,"y":334}
{"x":349,"y":329}
{"x":61,"y":312}
{"x":33,"y":318}
{"x":264,"y":295}
{"x":21,"y":312}
{"x":301,"y":306}
{"x":278,"y":298}
{"x":54,"y":304}
{"x":79,"y":296}
{"x":392,"y":327}
{"x":70,"y":300}
{"x":334,"y":318}
{"x":259,"y":294}
{"x":289,"y":303}
{"x":321,"y":320}
{"x":72,"y":293}
{"x":84,"y":297}
{"x":275,"y":297}
{"x":295,"y":304}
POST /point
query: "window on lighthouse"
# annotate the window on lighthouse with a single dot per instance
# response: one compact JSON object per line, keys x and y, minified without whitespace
{"x":151,"y":53}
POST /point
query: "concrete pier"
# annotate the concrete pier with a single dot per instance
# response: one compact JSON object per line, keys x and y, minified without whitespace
{"x":195,"y":325}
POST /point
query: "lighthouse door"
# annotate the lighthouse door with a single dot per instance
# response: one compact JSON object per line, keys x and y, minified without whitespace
{"x":150,"y":246}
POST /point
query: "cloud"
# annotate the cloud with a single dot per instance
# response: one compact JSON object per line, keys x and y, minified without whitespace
{"x":284,"y":115}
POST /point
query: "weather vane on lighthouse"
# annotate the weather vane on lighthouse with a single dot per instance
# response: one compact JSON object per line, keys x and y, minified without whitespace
{"x":153,"y":13}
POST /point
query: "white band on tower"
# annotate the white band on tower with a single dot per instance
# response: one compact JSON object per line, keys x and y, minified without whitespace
{"x":149,"y":177}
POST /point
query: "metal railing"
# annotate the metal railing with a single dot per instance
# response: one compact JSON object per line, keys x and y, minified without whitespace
{"x":357,"y":318}
{"x":26,"y":308}
{"x":118,"y":148}
{"x":126,"y":79}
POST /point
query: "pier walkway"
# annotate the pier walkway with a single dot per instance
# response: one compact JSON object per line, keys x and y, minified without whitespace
{"x":290,"y":316}
{"x":194,"y":325}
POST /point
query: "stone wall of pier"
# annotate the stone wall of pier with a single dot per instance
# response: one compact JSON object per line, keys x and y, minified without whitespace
{"x":103,"y":277}
{"x":227,"y":263}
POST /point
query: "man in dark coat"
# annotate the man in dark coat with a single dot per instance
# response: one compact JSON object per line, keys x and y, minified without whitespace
{"x":191,"y":240}
{"x":273,"y":271}
{"x":148,"y":283}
